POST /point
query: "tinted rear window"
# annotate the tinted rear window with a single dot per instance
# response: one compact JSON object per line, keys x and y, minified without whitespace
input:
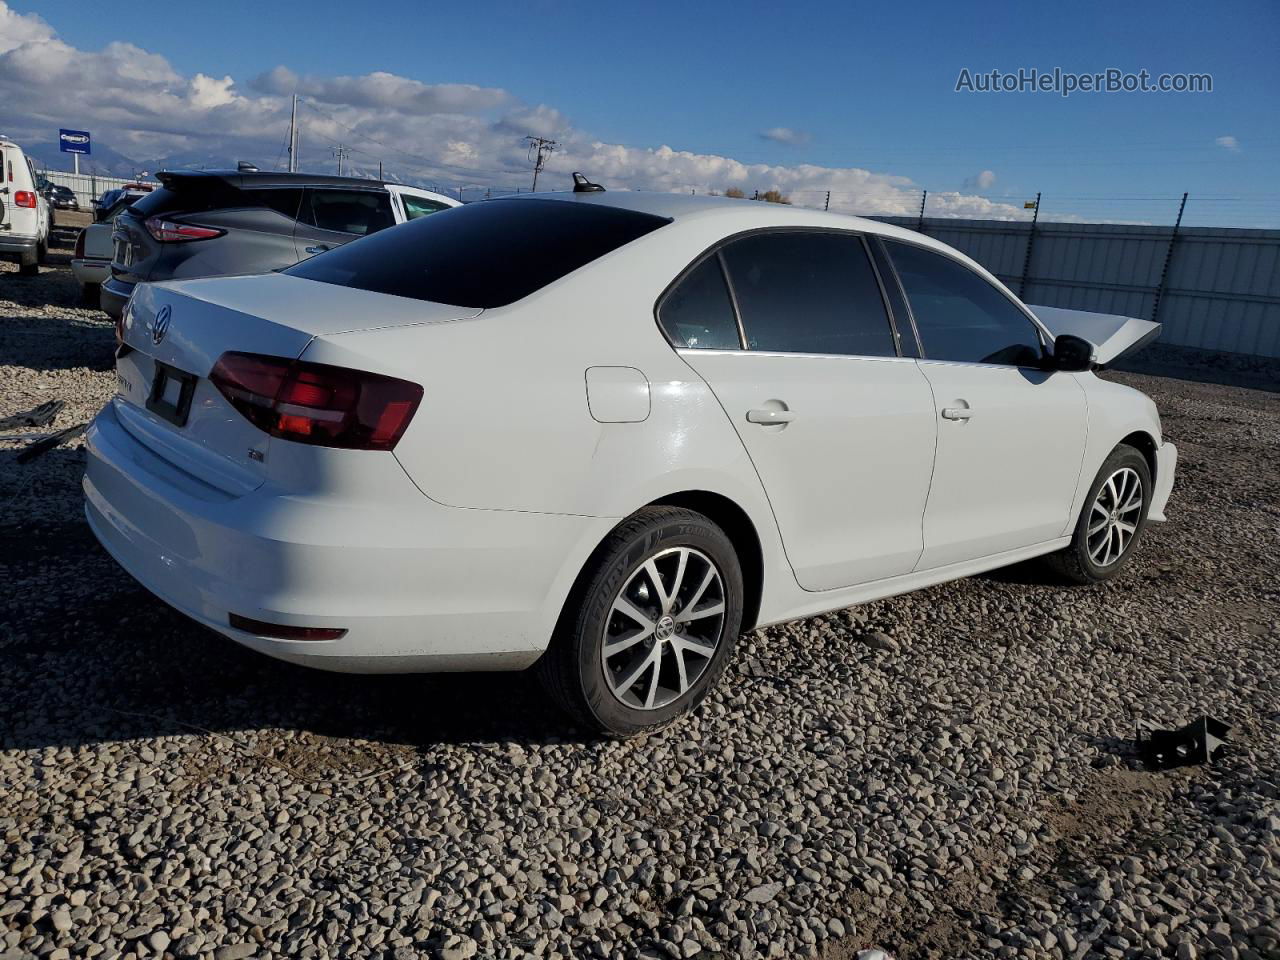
{"x":486,"y":254}
{"x":190,"y":197}
{"x":202,"y":194}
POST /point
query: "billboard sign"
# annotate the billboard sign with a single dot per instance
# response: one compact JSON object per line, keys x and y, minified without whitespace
{"x":74,"y":141}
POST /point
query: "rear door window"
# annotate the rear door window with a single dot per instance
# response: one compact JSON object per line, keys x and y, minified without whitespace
{"x":485,"y":254}
{"x":354,"y":212}
{"x":415,"y":207}
{"x":698,"y":313}
{"x":801,"y":292}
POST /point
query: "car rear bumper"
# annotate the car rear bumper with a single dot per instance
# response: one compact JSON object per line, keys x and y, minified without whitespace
{"x":11,"y":243}
{"x":1166,"y":465}
{"x":91,"y":271}
{"x":115,"y":294}
{"x":419,"y":587}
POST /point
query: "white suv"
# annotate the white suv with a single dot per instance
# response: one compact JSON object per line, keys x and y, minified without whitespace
{"x":24,"y":213}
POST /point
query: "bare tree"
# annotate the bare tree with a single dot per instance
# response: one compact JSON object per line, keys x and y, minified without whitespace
{"x":734,"y":192}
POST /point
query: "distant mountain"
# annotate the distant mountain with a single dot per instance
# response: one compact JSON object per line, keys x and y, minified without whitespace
{"x":104,"y":161}
{"x":199,"y":160}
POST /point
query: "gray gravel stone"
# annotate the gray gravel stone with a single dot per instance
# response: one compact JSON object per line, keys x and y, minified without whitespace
{"x":959,"y":759}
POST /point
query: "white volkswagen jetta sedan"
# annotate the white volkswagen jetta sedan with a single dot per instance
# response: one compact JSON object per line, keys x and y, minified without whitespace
{"x":604,"y":433}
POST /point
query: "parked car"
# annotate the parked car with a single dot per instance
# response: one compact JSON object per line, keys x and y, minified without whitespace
{"x":91,"y":258}
{"x":106,"y":203}
{"x":61,"y":197}
{"x":24,"y":213}
{"x":606,"y":432}
{"x":209,"y":224}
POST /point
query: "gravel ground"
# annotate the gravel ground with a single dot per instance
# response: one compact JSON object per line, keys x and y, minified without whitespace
{"x":947,"y":774}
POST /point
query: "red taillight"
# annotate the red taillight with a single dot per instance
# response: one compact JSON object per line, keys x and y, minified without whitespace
{"x":317,"y":403}
{"x":281,"y":631}
{"x":168,"y":231}
{"x":79,"y":251}
{"x":24,"y":198}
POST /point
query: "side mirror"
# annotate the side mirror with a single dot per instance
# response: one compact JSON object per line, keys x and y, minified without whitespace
{"x":1072,"y":353}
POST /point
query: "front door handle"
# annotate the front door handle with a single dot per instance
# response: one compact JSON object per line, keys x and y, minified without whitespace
{"x":769,"y":416}
{"x":956,"y":413}
{"x":318,"y":248}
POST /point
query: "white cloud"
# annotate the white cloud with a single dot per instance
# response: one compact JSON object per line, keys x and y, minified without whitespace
{"x":981,"y":181}
{"x":785,"y":135}
{"x":209,"y":92}
{"x":16,"y":29}
{"x":452,"y":135}
{"x":1228,"y":143}
{"x":381,"y":90}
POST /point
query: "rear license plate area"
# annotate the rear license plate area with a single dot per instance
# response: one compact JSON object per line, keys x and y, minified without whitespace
{"x":171,"y":392}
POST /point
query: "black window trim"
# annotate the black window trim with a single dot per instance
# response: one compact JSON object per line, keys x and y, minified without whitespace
{"x":893,"y":278}
{"x":1045,"y":337}
{"x":717,"y":250}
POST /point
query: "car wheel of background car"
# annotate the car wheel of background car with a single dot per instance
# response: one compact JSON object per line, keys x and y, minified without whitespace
{"x":29,"y":265}
{"x":1112,"y":520}
{"x":649,"y":626}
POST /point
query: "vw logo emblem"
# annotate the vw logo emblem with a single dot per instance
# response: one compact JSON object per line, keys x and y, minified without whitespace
{"x":160,"y":325}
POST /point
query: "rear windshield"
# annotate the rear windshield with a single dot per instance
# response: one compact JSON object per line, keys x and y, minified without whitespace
{"x":485,"y":254}
{"x":190,"y":197}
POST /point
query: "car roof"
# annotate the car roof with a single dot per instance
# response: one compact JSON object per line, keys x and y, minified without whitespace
{"x":267,"y":178}
{"x":738,"y":215}
{"x":683,"y":206}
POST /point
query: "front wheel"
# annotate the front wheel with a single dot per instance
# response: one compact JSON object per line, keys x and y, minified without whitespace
{"x":650,"y":624}
{"x":1112,"y":520}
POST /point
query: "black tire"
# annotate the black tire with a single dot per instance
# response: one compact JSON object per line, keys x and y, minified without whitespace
{"x":573,"y":668}
{"x":42,"y":251}
{"x":29,"y":264}
{"x":91,"y":295}
{"x":1078,"y":562}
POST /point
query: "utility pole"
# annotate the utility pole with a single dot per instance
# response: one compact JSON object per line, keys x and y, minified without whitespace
{"x":341,"y":152}
{"x":379,"y":169}
{"x":920,"y":219}
{"x":827,"y":205}
{"x":293,"y":136}
{"x":539,"y":149}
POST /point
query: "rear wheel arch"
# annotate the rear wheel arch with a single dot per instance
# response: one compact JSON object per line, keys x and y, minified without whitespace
{"x":742,"y":533}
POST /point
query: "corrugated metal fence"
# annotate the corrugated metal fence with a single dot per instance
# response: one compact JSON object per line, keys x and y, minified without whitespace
{"x":1220,"y":288}
{"x":88,"y":187}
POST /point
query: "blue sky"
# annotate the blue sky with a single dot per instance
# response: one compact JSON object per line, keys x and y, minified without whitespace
{"x":863,"y":86}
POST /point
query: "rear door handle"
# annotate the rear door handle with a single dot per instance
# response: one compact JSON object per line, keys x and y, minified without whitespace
{"x":770,"y":416}
{"x":956,"y":413}
{"x":318,"y":248}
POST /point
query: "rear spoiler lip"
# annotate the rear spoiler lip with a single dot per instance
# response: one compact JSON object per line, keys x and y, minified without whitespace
{"x":1113,"y":336}
{"x":175,"y":179}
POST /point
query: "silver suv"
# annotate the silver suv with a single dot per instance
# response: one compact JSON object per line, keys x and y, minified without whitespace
{"x":212,"y":224}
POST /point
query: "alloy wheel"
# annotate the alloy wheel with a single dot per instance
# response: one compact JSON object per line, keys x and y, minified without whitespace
{"x":663,"y":629}
{"x":1114,"y":516}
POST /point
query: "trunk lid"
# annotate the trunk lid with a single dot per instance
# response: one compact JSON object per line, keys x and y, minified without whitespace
{"x":175,"y":333}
